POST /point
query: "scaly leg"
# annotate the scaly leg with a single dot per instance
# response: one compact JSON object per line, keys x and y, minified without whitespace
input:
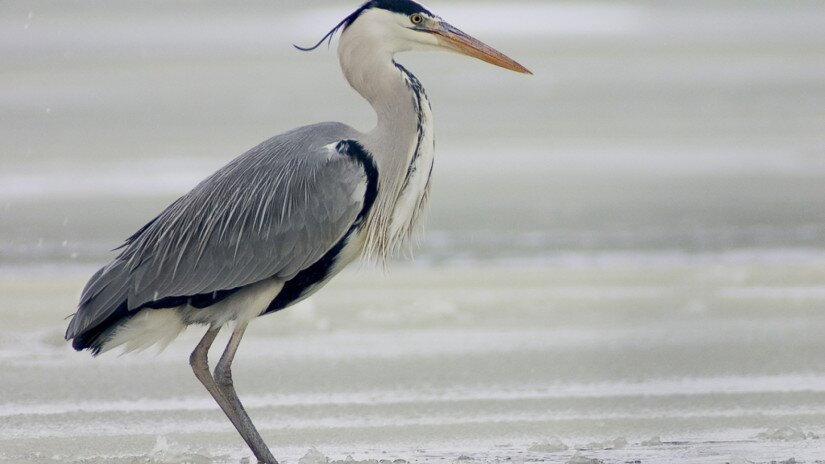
{"x":200,"y":366}
{"x":223,"y":379}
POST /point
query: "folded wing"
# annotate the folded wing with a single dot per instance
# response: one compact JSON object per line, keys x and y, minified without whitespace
{"x":271,"y":212}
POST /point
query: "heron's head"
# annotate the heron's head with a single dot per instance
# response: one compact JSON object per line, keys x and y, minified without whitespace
{"x":404,"y":25}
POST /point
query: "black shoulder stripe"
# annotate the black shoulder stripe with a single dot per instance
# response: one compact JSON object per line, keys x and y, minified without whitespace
{"x":357,"y":151}
{"x":296,"y":287}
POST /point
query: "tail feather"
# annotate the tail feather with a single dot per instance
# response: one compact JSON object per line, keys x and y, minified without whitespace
{"x":102,"y":305}
{"x":93,"y":338}
{"x":142,"y":330}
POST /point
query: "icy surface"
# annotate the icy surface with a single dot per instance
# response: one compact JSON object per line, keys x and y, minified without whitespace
{"x":556,"y":377}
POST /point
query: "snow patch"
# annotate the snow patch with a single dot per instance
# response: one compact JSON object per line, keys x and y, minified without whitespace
{"x":314,"y":456}
{"x":652,"y":441}
{"x":739,"y":460}
{"x":552,"y":445}
{"x":615,"y":444}
{"x":579,"y":458}
{"x":786,"y":434}
{"x":164,"y":452}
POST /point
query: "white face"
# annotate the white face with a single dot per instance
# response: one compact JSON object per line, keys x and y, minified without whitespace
{"x":396,"y":32}
{"x":388,"y":33}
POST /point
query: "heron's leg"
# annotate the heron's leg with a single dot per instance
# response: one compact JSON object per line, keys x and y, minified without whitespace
{"x":200,"y":366}
{"x":223,"y":378}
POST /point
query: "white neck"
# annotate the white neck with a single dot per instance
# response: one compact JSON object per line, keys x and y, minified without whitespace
{"x":402,"y":116}
{"x":377,"y":78}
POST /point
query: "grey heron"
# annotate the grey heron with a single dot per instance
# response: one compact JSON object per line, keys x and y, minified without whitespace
{"x":275,"y":224}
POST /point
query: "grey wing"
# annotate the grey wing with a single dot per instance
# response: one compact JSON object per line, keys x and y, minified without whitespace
{"x":269,"y":213}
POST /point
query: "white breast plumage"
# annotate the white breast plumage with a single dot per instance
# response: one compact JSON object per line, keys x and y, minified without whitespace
{"x":414,"y":194}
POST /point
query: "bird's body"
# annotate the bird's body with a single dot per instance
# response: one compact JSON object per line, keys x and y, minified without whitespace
{"x":164,"y":278}
{"x":277,"y":223}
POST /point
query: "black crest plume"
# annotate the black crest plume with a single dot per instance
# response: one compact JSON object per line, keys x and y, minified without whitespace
{"x":396,"y":6}
{"x":345,"y":24}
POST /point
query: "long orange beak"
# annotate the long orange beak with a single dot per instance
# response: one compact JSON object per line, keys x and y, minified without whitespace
{"x":454,"y":39}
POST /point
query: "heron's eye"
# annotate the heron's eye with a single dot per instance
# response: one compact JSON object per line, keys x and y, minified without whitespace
{"x":416,"y":18}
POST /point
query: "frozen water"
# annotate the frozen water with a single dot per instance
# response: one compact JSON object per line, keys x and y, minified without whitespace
{"x":628,"y":377}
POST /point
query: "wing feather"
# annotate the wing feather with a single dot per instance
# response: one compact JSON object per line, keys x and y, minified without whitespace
{"x":310,"y":206}
{"x":271,"y":212}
